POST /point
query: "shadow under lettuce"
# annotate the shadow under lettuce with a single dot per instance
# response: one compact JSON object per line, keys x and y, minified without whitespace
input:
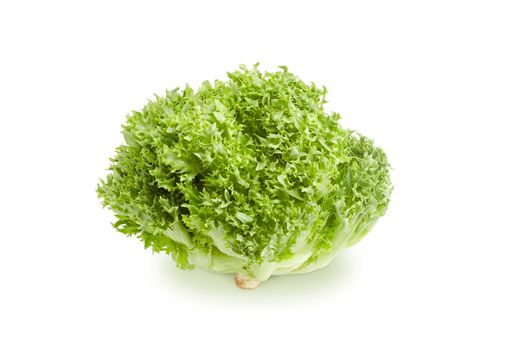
{"x":278,"y":288}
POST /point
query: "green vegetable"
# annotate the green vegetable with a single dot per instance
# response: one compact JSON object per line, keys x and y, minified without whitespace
{"x":248,"y":176}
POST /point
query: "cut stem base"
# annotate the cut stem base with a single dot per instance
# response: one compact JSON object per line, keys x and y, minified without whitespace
{"x":245,"y":283}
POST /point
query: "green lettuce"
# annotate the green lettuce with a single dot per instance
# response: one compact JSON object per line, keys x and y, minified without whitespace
{"x":247,"y":176}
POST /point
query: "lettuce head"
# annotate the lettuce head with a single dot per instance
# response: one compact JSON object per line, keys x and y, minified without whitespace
{"x":248,"y":176}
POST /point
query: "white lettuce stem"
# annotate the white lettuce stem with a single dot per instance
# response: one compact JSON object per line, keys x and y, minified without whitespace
{"x":245,"y":283}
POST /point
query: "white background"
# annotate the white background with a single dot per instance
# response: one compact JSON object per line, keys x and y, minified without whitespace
{"x":432,"y":82}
